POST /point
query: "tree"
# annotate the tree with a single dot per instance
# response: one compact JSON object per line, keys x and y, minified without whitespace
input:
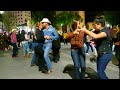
{"x":9,"y":20}
{"x":31,"y":23}
{"x":113,"y":17}
{"x":39,"y":15}
{"x":66,"y":18}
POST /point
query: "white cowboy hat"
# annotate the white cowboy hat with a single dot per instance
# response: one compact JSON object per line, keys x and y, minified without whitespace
{"x":14,"y":30}
{"x":46,"y":20}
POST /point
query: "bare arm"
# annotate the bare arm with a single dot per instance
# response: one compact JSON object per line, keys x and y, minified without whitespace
{"x":96,"y":36}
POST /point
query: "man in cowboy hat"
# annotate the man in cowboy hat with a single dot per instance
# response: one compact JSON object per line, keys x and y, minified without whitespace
{"x":49,"y":34}
{"x":14,"y":42}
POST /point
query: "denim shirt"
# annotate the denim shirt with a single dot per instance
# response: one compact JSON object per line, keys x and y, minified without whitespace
{"x":50,"y":32}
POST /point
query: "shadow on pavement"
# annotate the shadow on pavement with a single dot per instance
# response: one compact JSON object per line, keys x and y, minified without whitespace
{"x":70,"y":70}
{"x":92,"y":74}
{"x":114,"y":60}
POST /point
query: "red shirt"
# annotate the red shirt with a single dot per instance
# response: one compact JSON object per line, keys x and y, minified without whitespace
{"x":13,"y":38}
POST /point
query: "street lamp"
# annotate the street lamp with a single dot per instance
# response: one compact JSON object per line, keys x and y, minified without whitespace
{"x":1,"y":12}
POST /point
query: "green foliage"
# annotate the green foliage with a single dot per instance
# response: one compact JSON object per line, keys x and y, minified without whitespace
{"x":113,"y":17}
{"x":66,"y":18}
{"x":31,"y":23}
{"x":9,"y":20}
{"x":39,"y":15}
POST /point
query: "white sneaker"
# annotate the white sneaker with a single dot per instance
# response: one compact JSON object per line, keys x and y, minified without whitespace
{"x":113,"y":53}
{"x":87,"y":53}
{"x":32,"y":52}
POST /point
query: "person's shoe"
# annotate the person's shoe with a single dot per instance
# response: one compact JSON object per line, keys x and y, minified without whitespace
{"x":25,"y":56}
{"x":44,"y":71}
{"x":14,"y":56}
{"x":55,"y":61}
{"x":32,"y":65}
{"x":47,"y":71}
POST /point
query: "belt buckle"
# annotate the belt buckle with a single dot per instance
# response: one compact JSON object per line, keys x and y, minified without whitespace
{"x":47,"y":42}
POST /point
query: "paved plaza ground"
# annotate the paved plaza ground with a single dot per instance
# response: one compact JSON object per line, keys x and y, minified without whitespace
{"x":19,"y":68}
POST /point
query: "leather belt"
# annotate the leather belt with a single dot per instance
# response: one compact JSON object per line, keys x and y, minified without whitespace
{"x":46,"y":42}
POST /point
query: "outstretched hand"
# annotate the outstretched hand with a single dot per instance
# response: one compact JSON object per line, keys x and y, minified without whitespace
{"x":82,"y":29}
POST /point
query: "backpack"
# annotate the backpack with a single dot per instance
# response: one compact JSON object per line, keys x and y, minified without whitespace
{"x":78,"y":40}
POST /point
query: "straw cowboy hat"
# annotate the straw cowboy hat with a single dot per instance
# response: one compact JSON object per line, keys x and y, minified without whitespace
{"x":14,"y":30}
{"x":46,"y":20}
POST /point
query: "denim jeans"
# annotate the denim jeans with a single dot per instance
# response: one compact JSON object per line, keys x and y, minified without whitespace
{"x":88,"y":45}
{"x":47,"y":49}
{"x":34,"y":55}
{"x":30,"y":45}
{"x":25,"y":46}
{"x":102,"y":62}
{"x":78,"y":57}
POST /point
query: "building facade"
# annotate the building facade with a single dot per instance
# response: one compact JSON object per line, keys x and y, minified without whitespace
{"x":22,"y":17}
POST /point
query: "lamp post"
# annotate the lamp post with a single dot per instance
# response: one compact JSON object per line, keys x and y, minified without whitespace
{"x":1,"y":12}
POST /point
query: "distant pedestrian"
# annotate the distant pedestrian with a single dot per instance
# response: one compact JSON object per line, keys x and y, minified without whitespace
{"x":25,"y":45}
{"x":14,"y":42}
{"x":18,"y":38}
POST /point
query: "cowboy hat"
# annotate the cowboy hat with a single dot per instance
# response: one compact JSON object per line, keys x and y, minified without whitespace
{"x":14,"y":30}
{"x":46,"y":20}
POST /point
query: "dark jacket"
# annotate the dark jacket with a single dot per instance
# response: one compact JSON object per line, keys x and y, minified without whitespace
{"x":40,"y":36}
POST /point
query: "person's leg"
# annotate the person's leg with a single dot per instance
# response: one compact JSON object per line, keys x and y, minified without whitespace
{"x":56,"y":55}
{"x":117,"y":54}
{"x":24,"y":49}
{"x":87,"y":44}
{"x":14,"y":50}
{"x":82,"y":62}
{"x":91,"y":47}
{"x":27,"y":49}
{"x":102,"y":63}
{"x":75,"y":58}
{"x":47,"y":48}
{"x":34,"y":54}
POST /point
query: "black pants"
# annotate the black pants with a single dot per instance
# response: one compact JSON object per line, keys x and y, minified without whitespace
{"x":56,"y":54}
{"x":117,"y":53}
{"x":15,"y":49}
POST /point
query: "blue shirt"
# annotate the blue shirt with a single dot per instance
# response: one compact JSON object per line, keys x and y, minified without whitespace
{"x":50,"y":32}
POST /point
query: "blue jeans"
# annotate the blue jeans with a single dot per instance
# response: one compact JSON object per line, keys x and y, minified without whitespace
{"x":34,"y":55}
{"x":88,"y":45}
{"x":25,"y":47}
{"x":30,"y":45}
{"x":47,"y":48}
{"x":78,"y":57}
{"x":102,"y":62}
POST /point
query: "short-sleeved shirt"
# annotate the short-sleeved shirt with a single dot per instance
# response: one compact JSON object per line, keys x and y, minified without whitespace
{"x":103,"y":44}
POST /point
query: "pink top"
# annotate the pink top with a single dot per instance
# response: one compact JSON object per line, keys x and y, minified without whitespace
{"x":13,"y":38}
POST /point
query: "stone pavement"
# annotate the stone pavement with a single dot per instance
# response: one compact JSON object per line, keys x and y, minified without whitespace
{"x":19,"y":68}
